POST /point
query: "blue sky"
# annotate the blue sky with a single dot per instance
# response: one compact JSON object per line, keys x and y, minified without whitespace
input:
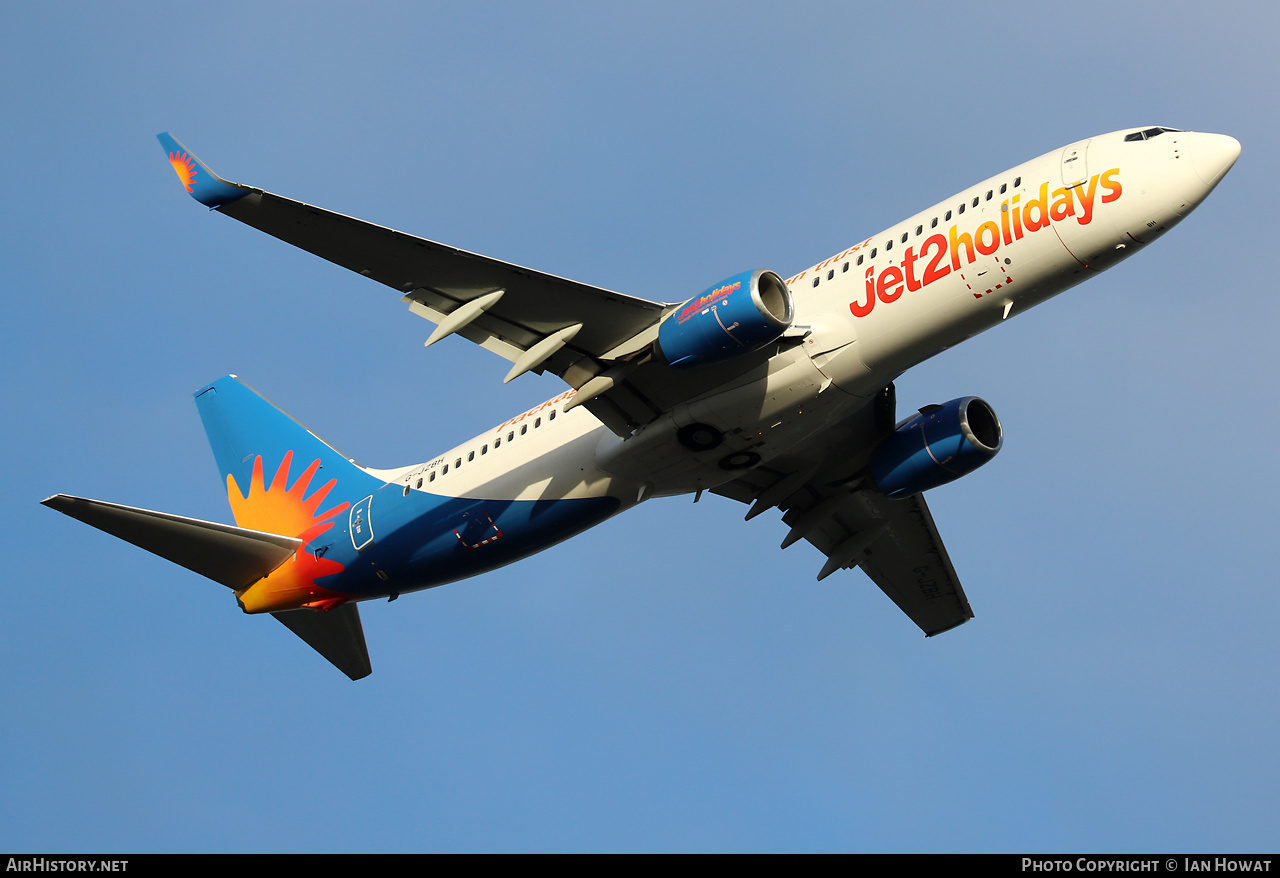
{"x":670,"y":681}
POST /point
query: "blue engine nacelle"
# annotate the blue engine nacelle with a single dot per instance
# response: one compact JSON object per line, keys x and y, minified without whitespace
{"x":939,"y":445}
{"x":742,"y":314}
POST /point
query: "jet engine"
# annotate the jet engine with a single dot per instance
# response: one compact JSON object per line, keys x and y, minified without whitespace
{"x":936,"y":446}
{"x":739,"y":315}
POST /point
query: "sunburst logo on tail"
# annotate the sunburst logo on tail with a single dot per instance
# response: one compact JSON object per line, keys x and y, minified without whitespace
{"x":286,"y":509}
{"x":185,"y":167}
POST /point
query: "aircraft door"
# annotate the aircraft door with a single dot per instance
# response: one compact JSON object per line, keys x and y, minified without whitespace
{"x":1075,"y":163}
{"x":1088,"y":234}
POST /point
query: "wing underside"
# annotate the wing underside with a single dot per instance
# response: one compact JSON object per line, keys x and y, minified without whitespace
{"x":599,"y":341}
{"x":825,"y":501}
{"x":591,"y":337}
{"x":440,"y":279}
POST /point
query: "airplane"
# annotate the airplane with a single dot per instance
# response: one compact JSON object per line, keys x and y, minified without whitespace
{"x":776,"y":393}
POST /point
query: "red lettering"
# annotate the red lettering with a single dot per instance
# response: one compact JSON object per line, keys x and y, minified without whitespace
{"x":955,"y":247}
{"x":909,"y":263}
{"x":936,"y":269}
{"x":1112,"y":187}
{"x":986,"y":248}
{"x":862,"y":310}
{"x":890,"y":277}
{"x":1061,"y":208}
{"x":1041,"y":204}
{"x":1085,"y":196}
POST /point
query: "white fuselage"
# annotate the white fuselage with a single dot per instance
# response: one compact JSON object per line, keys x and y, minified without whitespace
{"x":873,"y":310}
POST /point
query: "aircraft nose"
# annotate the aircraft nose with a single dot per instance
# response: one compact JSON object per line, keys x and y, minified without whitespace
{"x":1213,"y":155}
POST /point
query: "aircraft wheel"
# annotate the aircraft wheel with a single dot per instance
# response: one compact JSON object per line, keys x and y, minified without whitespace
{"x":739,"y":460}
{"x":700,"y":437}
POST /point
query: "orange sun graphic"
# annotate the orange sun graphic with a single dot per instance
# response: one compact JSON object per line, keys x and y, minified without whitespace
{"x":287,"y":510}
{"x":185,"y":167}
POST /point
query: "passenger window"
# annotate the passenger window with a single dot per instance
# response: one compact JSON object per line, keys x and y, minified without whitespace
{"x":873,"y":252}
{"x":919,"y":230}
{"x":989,"y":193}
{"x":537,"y":422}
{"x":904,"y":237}
{"x":1017,"y":181}
{"x":975,"y":201}
{"x":471,"y":456}
{"x":844,"y":268}
{"x":960,"y":210}
{"x":934,"y":224}
{"x":497,"y":443}
{"x":419,"y":485}
{"x":511,"y":435}
{"x":524,"y":429}
{"x":1003,"y":187}
{"x":457,"y":463}
{"x":552,"y":416}
{"x":831,"y":274}
{"x":860,"y":260}
{"x":432,"y":477}
{"x":888,"y":245}
{"x":815,"y":281}
{"x":948,"y":216}
{"x":484,"y":449}
{"x":445,"y":470}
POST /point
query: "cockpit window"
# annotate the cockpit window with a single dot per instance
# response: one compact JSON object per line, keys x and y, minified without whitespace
{"x":1149,"y":133}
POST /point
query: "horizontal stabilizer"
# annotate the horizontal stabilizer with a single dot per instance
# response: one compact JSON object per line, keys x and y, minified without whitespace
{"x":234,"y":556}
{"x":337,"y":635}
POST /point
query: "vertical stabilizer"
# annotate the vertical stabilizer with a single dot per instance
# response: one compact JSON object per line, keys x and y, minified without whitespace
{"x":283,"y":479}
{"x":267,"y":458}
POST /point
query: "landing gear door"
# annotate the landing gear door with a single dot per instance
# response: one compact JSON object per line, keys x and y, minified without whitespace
{"x":1075,"y":166}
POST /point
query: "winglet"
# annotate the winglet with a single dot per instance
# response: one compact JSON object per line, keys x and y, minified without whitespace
{"x":201,"y":183}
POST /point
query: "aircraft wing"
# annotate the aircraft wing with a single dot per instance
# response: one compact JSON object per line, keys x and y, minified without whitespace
{"x":538,"y":321}
{"x":895,"y":542}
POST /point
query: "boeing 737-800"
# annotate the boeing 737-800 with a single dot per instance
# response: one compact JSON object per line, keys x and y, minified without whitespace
{"x":777,"y":393}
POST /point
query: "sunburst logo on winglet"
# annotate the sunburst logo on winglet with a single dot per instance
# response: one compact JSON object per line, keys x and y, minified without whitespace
{"x":287,"y":510}
{"x":185,"y":167}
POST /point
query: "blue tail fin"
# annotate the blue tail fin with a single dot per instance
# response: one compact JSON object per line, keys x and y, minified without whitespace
{"x":280,"y":477}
